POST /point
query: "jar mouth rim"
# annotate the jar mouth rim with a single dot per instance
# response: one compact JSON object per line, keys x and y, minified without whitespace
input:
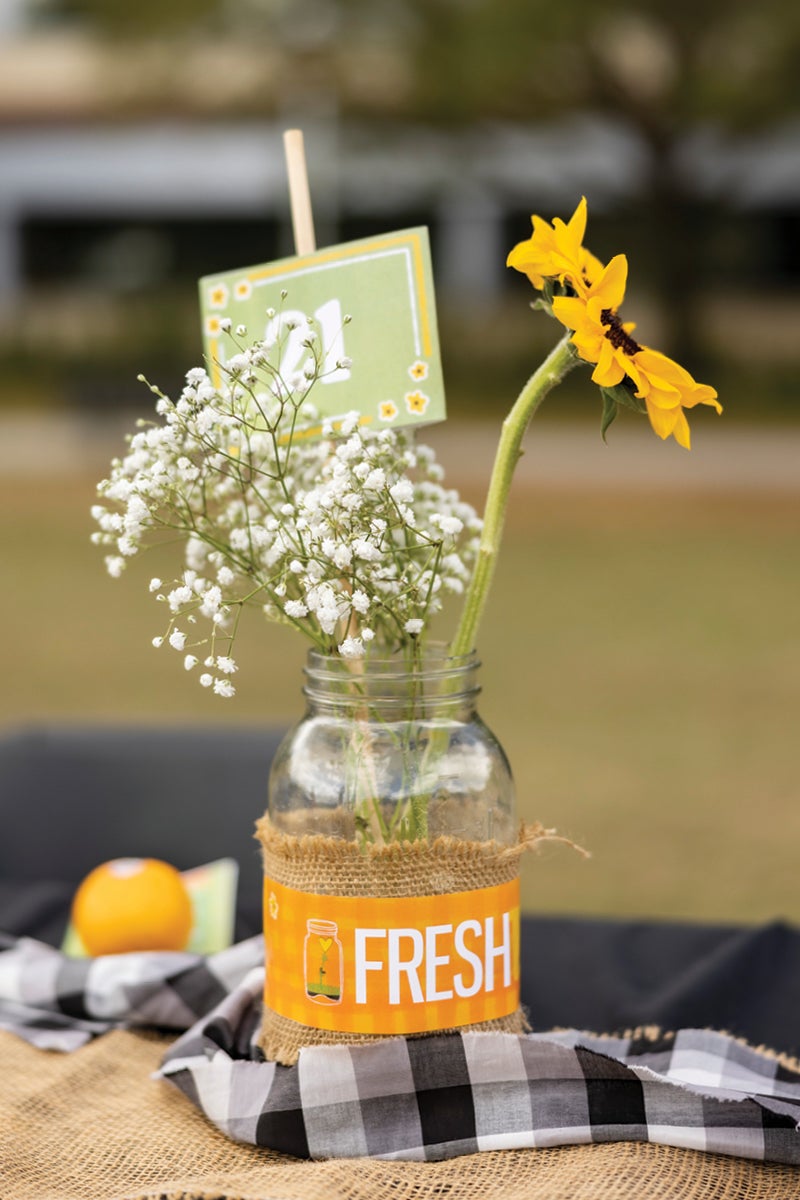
{"x":433,"y":662}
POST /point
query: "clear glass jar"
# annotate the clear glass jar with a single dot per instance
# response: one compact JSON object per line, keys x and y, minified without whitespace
{"x":392,"y":750}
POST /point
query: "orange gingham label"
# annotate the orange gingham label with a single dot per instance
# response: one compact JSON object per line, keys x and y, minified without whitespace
{"x":390,"y":965}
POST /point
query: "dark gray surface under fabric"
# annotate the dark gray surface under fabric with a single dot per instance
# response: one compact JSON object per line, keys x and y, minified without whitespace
{"x":615,"y":975}
{"x":71,"y":798}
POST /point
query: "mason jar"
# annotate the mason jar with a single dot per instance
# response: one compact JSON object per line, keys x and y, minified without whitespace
{"x":392,"y":750}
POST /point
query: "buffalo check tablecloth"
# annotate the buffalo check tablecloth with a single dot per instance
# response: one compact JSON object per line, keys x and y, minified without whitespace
{"x":404,"y":1098}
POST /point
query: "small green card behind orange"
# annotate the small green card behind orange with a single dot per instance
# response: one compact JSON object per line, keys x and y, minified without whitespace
{"x":383,"y":363}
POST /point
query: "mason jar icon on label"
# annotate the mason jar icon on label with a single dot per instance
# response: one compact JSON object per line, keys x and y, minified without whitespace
{"x":322,"y":954}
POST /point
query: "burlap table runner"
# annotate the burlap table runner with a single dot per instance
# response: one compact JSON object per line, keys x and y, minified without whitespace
{"x":337,"y":867}
{"x":93,"y":1126}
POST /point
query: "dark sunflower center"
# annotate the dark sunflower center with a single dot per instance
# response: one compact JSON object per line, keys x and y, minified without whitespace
{"x":619,"y":339}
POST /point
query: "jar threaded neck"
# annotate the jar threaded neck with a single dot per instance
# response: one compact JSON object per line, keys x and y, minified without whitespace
{"x":425,"y":684}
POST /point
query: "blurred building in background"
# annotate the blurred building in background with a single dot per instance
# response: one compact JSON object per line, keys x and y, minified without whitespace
{"x":140,"y":148}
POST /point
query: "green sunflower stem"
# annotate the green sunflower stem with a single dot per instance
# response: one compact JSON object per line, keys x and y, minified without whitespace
{"x":559,"y":362}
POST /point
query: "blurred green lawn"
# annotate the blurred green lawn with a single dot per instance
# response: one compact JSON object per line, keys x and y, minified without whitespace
{"x":642,"y":669}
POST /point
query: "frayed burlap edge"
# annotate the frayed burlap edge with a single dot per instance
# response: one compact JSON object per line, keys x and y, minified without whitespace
{"x":329,"y":866}
{"x":334,"y":867}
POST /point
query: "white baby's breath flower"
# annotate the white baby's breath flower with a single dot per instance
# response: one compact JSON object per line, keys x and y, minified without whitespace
{"x":227,"y":665}
{"x":375,"y":480}
{"x":212,"y":599}
{"x":328,"y":617}
{"x":158,"y":641}
{"x":115,"y":566}
{"x":224,"y":687}
{"x":295,"y":608}
{"x":352,"y":647}
{"x":155,"y":584}
{"x":178,"y":596}
{"x":206,"y":680}
{"x":360,"y":601}
{"x":402,"y":492}
{"x":350,"y":422}
{"x":189,"y":661}
{"x":177,"y":639}
{"x":414,"y":626}
{"x":448,"y":525}
{"x":364,"y":549}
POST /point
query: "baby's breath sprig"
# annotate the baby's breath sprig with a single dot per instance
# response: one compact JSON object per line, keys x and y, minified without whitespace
{"x":346,"y":534}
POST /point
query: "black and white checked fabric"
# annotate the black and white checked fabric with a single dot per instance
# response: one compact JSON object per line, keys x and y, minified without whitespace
{"x":59,"y":1003}
{"x":406,"y":1098}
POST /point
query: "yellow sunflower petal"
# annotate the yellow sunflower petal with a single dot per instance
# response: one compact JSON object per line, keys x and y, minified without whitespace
{"x":702,"y":394}
{"x":519,"y":256}
{"x":608,"y":372}
{"x":663,"y":395}
{"x":662,"y":419}
{"x":570,"y":236}
{"x":610,"y":287}
{"x":591,"y":266}
{"x":542,"y":229}
{"x":577,"y":222}
{"x":680,"y":431}
{"x":589,"y":344}
{"x":653,"y":376}
{"x":570,"y":311}
{"x":659,"y":366}
{"x":667,"y":376}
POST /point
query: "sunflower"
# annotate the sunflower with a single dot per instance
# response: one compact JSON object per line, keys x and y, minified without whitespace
{"x":557,"y":252}
{"x":599,"y":335}
{"x":602,"y":338}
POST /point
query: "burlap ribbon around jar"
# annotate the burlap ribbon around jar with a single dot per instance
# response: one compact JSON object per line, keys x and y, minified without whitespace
{"x":335,"y":867}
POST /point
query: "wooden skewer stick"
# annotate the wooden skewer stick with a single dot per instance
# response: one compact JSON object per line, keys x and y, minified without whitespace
{"x":299,"y":195}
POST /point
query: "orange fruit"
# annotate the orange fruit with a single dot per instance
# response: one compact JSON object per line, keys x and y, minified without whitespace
{"x":132,"y":904}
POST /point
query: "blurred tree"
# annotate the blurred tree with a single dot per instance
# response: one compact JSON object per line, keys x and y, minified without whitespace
{"x":142,"y":18}
{"x":664,"y":69}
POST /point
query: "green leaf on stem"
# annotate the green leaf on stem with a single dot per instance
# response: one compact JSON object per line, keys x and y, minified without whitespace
{"x":624,"y":393}
{"x":609,"y":411}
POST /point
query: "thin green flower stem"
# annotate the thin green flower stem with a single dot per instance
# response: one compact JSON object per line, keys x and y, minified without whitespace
{"x":559,"y":362}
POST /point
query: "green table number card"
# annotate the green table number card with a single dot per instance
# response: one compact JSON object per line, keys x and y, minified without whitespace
{"x":390,"y":370}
